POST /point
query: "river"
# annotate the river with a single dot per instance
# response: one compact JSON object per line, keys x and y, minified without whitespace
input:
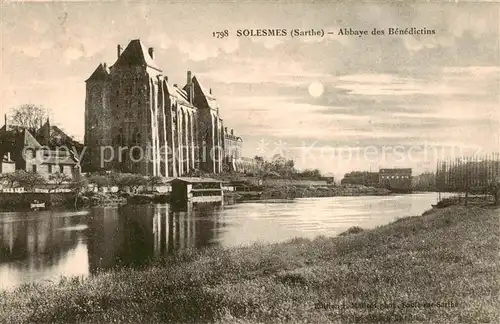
{"x":39,"y":246}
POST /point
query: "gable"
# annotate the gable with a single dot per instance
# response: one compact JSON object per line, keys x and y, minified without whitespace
{"x":136,"y":54}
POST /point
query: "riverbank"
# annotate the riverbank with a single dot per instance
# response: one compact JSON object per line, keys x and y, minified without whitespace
{"x":294,"y":191}
{"x":22,"y":201}
{"x":441,"y":267}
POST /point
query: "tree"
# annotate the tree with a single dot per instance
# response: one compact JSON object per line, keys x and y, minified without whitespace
{"x":29,"y":116}
{"x":9,"y":178}
{"x":122,"y":180}
{"x":154,"y":181}
{"x":21,"y":178}
{"x":58,"y":179}
{"x":99,"y":180}
{"x":78,"y":187}
{"x":135,"y":181}
{"x":117,"y":179}
{"x":311,"y":174}
{"x":196,"y":173}
{"x":259,"y":159}
{"x":494,"y":189}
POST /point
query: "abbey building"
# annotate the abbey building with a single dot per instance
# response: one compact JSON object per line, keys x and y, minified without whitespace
{"x":137,"y":121}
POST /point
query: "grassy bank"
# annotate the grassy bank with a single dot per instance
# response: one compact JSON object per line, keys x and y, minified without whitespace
{"x":442,"y":267}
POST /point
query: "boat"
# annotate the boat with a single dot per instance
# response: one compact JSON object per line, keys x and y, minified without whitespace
{"x":36,"y":205}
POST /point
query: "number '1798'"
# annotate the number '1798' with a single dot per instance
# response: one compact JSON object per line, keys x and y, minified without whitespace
{"x":220,"y":34}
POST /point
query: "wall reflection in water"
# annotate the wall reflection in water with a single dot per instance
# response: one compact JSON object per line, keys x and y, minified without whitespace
{"x":133,"y":235}
{"x":45,"y":245}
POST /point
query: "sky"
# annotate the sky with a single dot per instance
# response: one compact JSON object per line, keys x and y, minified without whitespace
{"x":337,"y":102}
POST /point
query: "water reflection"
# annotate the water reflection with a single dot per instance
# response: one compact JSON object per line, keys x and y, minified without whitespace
{"x":132,"y":235}
{"x":37,"y":246}
{"x":33,"y":245}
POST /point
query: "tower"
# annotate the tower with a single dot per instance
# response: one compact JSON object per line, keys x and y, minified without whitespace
{"x":97,"y":118}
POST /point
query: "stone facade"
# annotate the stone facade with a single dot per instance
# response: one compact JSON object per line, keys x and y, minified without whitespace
{"x":136,"y":121}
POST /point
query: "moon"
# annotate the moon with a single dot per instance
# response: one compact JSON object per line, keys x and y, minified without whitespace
{"x":316,"y":89}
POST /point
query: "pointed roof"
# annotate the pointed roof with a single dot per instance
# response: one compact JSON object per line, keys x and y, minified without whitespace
{"x":30,"y":141}
{"x":136,"y":53}
{"x":178,"y":93}
{"x":100,"y":73}
{"x":204,"y":92}
{"x":46,"y":124}
{"x":200,"y":90}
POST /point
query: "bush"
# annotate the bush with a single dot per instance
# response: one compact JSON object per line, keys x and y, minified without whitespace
{"x":140,"y":199}
{"x":161,"y":198}
{"x":352,"y":230}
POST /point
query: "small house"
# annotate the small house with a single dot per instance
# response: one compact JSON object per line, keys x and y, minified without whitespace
{"x":191,"y":189}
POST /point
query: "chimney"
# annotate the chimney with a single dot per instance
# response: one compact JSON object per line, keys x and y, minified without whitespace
{"x":175,"y":85}
{"x":5,"y":121}
{"x":190,"y":88}
{"x":210,"y":90}
{"x":151,"y":52}
{"x":105,"y":66}
{"x":232,"y":131}
{"x":119,"y":50}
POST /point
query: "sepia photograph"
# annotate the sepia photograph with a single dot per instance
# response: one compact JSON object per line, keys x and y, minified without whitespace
{"x":249,"y":162}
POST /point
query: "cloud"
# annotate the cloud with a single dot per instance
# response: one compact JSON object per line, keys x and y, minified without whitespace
{"x":204,"y":50}
{"x":31,"y":49}
{"x":473,"y":70}
{"x":264,"y":70}
{"x":387,"y":85}
{"x":159,"y":40}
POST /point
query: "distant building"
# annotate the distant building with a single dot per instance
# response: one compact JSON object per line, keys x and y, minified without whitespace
{"x":365,"y":178}
{"x":330,"y":178}
{"x":20,"y":150}
{"x":397,"y":180}
{"x":232,"y":150}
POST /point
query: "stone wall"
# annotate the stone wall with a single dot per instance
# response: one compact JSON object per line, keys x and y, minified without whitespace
{"x":7,"y":167}
{"x":97,"y":122}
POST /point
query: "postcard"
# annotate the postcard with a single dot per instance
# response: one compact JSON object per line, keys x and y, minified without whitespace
{"x":249,"y":162}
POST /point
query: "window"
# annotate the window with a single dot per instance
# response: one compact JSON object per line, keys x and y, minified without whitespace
{"x":33,"y":168}
{"x":61,"y":168}
{"x":50,"y":168}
